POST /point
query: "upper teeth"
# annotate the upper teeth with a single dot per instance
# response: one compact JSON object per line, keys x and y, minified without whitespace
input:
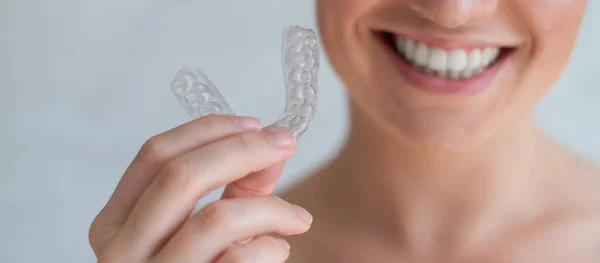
{"x":454,"y":64}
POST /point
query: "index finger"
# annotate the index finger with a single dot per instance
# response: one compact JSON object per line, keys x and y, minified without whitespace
{"x":163,"y":147}
{"x":171,"y":197}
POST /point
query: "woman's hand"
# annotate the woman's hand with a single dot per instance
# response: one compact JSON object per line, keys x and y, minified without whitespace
{"x":149,"y":216}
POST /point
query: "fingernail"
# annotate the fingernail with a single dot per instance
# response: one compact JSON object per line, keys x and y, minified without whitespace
{"x":281,"y":139}
{"x":248,"y":123}
{"x":303,"y":214}
{"x":284,"y":243}
{"x":243,"y":242}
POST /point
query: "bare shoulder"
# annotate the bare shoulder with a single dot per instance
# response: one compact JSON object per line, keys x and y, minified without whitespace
{"x":571,"y":231}
{"x":587,"y":173}
{"x":578,"y":177}
{"x":586,"y":165}
{"x":585,"y":217}
{"x":572,"y":227}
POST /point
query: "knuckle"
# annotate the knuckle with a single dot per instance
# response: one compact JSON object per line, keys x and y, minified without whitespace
{"x":214,"y":216}
{"x":175,"y":174}
{"x":93,"y":234}
{"x":100,"y":233}
{"x":153,"y":149}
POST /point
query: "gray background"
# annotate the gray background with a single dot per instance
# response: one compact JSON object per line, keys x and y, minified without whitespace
{"x":84,"y":83}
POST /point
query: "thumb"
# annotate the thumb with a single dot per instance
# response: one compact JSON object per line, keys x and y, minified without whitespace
{"x":255,"y":184}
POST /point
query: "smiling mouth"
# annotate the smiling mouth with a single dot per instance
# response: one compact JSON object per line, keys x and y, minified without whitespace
{"x":447,"y":63}
{"x":444,"y":67}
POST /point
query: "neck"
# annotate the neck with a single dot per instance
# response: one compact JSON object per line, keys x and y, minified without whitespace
{"x":440,"y":197}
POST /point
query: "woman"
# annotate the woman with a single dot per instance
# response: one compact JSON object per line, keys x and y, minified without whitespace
{"x":443,"y":162}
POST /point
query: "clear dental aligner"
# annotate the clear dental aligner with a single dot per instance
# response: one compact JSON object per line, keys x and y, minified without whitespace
{"x":300,"y":63}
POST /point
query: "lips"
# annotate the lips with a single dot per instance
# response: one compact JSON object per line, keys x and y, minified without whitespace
{"x":445,"y":69}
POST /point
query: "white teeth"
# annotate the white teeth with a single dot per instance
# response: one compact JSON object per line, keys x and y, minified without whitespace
{"x":409,"y":49}
{"x":421,"y":54}
{"x":400,"y":45}
{"x":495,"y":54}
{"x":490,"y":55}
{"x":486,"y":55}
{"x":457,"y":60}
{"x":438,"y":59}
{"x":474,"y":59}
{"x":453,"y":64}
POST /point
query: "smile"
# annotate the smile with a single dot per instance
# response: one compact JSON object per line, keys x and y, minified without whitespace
{"x":446,"y":67}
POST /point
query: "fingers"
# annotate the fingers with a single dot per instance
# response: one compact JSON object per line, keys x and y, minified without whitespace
{"x":256,"y":184}
{"x":218,"y":225}
{"x":151,"y":158}
{"x":171,"y":197}
{"x":163,"y":147}
{"x":263,"y":249}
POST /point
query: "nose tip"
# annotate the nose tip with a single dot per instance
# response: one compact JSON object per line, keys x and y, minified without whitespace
{"x":453,"y":13}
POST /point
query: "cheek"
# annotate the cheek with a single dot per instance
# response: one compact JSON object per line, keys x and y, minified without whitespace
{"x":337,"y":14}
{"x":547,"y":16}
{"x":554,"y":26}
{"x":339,"y":22}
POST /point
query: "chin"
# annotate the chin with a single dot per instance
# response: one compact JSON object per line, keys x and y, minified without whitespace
{"x":427,"y":130}
{"x":437,"y":92}
{"x":439,"y":136}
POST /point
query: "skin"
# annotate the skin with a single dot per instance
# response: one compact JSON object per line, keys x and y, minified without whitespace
{"x":430,"y":178}
{"x":421,"y":178}
{"x":149,"y":217}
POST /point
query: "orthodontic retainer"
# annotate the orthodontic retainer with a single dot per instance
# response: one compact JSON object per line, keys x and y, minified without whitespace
{"x":300,"y":64}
